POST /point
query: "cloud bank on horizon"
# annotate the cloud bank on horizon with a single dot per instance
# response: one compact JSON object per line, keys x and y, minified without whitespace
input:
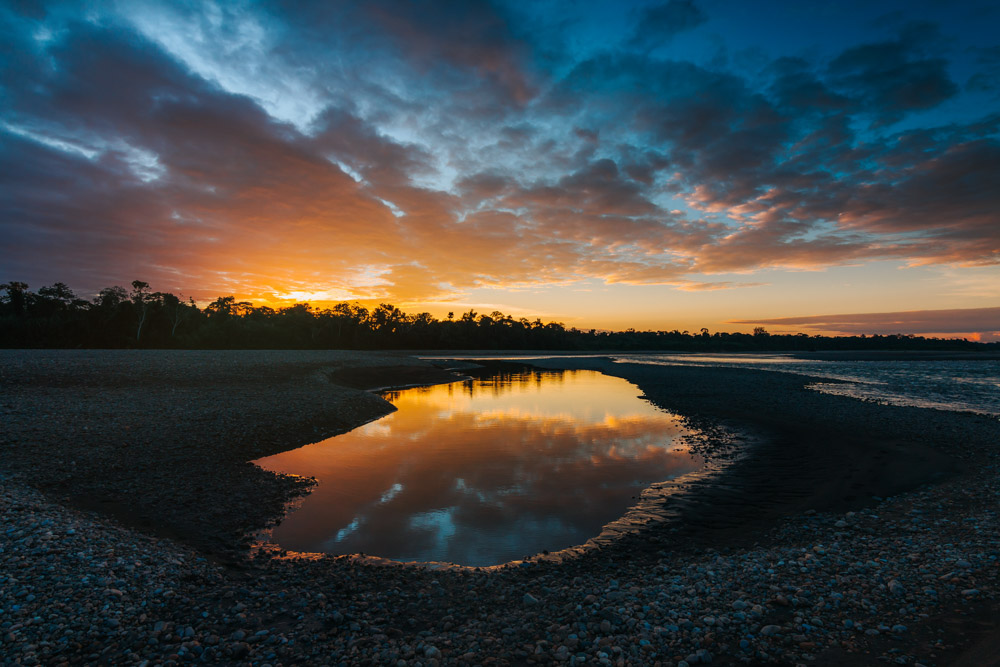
{"x":433,"y":152}
{"x":981,"y":323}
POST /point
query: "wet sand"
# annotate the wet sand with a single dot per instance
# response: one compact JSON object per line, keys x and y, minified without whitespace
{"x":160,"y":440}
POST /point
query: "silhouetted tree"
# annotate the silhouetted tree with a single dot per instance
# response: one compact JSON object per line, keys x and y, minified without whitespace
{"x":16,"y":298}
{"x":221,"y":308}
{"x":55,"y":317}
{"x":143,"y":301}
{"x":176,"y":310}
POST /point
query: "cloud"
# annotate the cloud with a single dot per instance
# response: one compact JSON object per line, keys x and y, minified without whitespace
{"x":982,"y":321}
{"x":797,"y":86}
{"x":659,"y":24}
{"x":468,"y":34}
{"x":237,"y":190}
{"x":892,"y":78}
{"x":597,"y":187}
{"x":952,"y":194}
{"x":712,"y":286}
{"x":987,"y":77}
{"x":433,"y":150}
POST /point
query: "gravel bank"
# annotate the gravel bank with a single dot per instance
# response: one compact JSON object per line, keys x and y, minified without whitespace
{"x":814,"y":451}
{"x":161,"y":439}
{"x":900,"y":580}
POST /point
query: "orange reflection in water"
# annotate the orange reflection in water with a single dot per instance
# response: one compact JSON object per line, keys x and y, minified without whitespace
{"x":484,"y":471}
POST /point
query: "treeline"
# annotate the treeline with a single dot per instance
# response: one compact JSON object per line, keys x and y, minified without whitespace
{"x":140,"y":318}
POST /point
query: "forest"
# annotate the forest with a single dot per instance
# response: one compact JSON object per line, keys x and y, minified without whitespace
{"x":55,"y":317}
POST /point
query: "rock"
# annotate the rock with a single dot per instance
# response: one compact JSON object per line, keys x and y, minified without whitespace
{"x":529,"y":599}
{"x":896,"y":588}
{"x":770,"y":630}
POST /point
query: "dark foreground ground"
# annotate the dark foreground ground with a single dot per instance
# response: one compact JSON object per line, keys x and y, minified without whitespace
{"x":786,"y":556}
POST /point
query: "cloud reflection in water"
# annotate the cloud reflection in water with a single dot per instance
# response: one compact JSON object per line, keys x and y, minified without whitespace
{"x":484,"y":471}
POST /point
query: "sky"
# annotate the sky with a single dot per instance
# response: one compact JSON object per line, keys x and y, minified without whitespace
{"x":824,"y":167}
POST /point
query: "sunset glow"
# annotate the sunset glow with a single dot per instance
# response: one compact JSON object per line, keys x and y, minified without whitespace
{"x":818,"y":167}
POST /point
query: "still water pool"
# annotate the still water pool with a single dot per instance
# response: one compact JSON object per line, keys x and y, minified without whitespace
{"x":484,"y":471}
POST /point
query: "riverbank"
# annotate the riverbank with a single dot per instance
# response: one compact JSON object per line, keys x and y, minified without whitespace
{"x":813,"y":451}
{"x":161,"y":439}
{"x":795,"y":577}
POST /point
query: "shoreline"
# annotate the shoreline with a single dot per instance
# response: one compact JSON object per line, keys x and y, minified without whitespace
{"x":649,"y":595}
{"x":162,"y":440}
{"x":829,"y":453}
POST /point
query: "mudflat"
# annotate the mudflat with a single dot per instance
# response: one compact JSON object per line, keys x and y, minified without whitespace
{"x":837,"y":531}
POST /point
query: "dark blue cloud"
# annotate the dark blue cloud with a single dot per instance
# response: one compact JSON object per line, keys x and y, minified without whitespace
{"x":798,"y":88}
{"x":659,"y":24}
{"x":987,"y":78}
{"x":889,"y":79}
